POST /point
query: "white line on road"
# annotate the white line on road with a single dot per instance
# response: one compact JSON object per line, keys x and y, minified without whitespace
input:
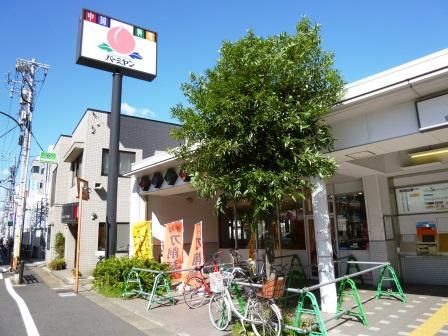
{"x":31,"y":329}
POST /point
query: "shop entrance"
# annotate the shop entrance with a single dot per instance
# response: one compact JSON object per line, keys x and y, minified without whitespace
{"x":312,"y":269}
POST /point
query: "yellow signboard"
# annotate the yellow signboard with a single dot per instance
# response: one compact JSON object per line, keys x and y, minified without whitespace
{"x":141,"y":233}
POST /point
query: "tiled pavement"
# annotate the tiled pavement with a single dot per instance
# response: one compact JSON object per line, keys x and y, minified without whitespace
{"x":386,"y":316}
{"x":390,"y":316}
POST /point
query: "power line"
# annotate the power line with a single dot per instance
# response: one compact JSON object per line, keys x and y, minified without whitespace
{"x":7,"y":132}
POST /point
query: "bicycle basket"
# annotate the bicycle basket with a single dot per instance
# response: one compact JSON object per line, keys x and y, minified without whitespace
{"x":216,"y":282}
{"x":273,"y":289}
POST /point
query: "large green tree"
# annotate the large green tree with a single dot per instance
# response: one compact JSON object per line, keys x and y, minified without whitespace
{"x":253,"y":128}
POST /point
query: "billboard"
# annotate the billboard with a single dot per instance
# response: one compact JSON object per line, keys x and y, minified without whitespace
{"x":111,"y":45}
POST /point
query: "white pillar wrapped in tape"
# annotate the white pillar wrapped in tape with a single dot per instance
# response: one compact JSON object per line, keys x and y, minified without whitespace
{"x":324,"y":247}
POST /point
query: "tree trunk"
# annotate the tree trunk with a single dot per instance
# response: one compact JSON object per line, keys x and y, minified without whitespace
{"x":269,"y":242}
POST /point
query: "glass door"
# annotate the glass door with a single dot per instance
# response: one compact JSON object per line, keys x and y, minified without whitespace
{"x":311,"y":247}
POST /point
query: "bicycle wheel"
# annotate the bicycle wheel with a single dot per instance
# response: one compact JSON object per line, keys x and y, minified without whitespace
{"x":194,"y":292}
{"x":266,"y":319}
{"x":219,"y":311}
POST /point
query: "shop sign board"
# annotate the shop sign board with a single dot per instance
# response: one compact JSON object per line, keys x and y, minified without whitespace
{"x":47,"y":157}
{"x":432,"y":113}
{"x":116,"y":46}
{"x":422,"y":199}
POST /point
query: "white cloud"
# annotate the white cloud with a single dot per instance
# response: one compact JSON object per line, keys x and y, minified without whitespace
{"x":136,"y":111}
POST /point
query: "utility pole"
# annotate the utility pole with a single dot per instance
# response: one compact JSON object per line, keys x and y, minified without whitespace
{"x":27,"y":69}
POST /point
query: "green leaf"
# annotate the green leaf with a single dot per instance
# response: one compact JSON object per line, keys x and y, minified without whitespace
{"x":253,"y":125}
{"x":105,"y":46}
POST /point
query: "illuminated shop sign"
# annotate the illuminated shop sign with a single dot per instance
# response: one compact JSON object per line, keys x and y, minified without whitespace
{"x":116,"y":46}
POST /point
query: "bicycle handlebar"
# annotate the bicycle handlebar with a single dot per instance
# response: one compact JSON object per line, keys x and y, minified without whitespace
{"x":215,"y":255}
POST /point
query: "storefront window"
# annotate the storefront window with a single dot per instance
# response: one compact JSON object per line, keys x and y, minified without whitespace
{"x":292,"y":226}
{"x":227,"y":230}
{"x":351,"y":222}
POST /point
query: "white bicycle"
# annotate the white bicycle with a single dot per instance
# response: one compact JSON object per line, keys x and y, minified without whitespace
{"x":258,"y":309}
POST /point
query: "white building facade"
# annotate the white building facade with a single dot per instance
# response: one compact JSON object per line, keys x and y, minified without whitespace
{"x":33,"y":236}
{"x":387,"y":202}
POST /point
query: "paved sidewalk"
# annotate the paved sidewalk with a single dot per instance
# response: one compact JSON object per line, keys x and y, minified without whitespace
{"x":390,"y":316}
{"x":164,"y":321}
{"x":386,"y":316}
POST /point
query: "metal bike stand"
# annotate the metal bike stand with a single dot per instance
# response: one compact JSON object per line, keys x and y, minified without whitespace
{"x":392,"y":277}
{"x":161,"y":283}
{"x":359,"y":313}
{"x":355,"y":265}
{"x":314,"y":311}
{"x":133,"y":277}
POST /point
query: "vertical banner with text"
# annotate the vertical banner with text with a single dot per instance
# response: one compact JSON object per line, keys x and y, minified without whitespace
{"x":141,"y":233}
{"x":173,"y":246}
{"x":196,"y":255}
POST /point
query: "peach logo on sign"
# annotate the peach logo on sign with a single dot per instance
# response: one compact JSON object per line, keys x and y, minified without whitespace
{"x":121,"y":41}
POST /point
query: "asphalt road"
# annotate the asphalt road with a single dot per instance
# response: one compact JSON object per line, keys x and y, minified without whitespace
{"x":56,"y":312}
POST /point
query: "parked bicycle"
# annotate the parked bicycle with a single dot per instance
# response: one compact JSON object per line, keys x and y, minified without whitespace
{"x":259,"y":309}
{"x":197,"y":287}
{"x":252,"y":268}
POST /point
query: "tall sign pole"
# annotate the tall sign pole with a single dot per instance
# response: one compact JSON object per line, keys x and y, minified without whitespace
{"x":114,"y":160}
{"x":123,"y":49}
{"x":83,"y":195}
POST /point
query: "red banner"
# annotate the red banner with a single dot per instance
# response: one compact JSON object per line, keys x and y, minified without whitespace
{"x":173,"y":246}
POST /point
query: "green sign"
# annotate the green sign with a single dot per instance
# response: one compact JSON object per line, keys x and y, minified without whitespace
{"x":47,"y":157}
{"x":10,"y":223}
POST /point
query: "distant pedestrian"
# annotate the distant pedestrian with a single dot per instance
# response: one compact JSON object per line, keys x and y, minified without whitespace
{"x":3,"y":253}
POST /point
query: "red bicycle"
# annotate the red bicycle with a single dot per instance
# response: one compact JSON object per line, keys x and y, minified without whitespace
{"x":197,"y":286}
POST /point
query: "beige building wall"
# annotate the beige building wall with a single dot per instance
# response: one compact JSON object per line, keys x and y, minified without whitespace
{"x":57,"y":196}
{"x":137,"y":135}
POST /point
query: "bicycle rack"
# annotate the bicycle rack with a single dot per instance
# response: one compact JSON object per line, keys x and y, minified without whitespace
{"x":133,"y":277}
{"x":389,"y":292}
{"x":356,"y":266}
{"x":315,"y":311}
{"x":297,"y":272}
{"x":295,"y":278}
{"x":360,"y":313}
{"x":160,"y":283}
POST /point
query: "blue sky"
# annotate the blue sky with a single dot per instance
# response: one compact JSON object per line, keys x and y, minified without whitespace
{"x":366,"y":37}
